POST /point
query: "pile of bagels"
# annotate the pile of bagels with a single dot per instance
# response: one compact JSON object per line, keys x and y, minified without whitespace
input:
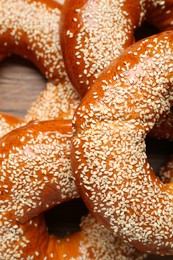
{"x":84,"y":136}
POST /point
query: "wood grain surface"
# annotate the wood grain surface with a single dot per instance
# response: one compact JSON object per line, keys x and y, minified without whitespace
{"x":20,"y":84}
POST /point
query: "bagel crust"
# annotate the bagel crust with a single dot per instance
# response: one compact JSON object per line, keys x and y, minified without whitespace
{"x":35,"y":175}
{"x":109,"y":158}
{"x":95,"y":32}
{"x":31,"y":29}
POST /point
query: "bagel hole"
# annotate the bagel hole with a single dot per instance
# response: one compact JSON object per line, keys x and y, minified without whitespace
{"x":145,"y":30}
{"x":64,"y":219}
{"x":158,"y":152}
{"x":20,"y":85}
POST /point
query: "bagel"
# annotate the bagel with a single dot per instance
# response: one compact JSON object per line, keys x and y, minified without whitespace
{"x":92,"y":242}
{"x":35,"y":175}
{"x":92,"y":34}
{"x":43,"y":155}
{"x":30,"y":28}
{"x":95,"y":32}
{"x":108,"y":153}
{"x":29,"y":239}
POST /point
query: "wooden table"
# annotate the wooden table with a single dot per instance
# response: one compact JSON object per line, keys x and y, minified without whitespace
{"x":20,"y":84}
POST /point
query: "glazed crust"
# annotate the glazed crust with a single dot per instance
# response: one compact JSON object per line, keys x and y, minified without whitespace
{"x":42,"y":138}
{"x":31,"y":29}
{"x":30,"y":240}
{"x":94,"y":33}
{"x":8,"y":122}
{"x":109,"y":158}
{"x":36,"y":174}
{"x":86,"y":48}
{"x":30,"y":37}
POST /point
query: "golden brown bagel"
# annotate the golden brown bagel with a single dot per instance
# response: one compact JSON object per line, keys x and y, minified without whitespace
{"x":30,"y":240}
{"x":108,"y":153}
{"x":30,"y":28}
{"x":32,"y":237}
{"x":36,"y":174}
{"x":95,"y":32}
{"x":38,"y":150}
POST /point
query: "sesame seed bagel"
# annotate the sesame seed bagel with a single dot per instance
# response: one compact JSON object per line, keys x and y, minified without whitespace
{"x":30,"y":28}
{"x":108,"y":153}
{"x":26,"y":237}
{"x":35,"y":175}
{"x":95,"y":32}
{"x":32,"y":157}
{"x":30,"y":240}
